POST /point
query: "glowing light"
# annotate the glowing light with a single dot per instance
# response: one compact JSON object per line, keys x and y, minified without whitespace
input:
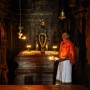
{"x":28,"y":46}
{"x":51,"y":52}
{"x":33,"y":52}
{"x":37,"y":45}
{"x":51,"y":58}
{"x":54,"y":47}
{"x":47,"y":47}
{"x":24,"y":38}
{"x":20,"y":34}
{"x":56,"y":58}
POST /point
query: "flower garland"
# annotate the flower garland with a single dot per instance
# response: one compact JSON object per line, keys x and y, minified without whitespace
{"x":42,"y":44}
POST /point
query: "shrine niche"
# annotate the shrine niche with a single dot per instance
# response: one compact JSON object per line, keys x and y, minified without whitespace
{"x":37,"y":28}
{"x":38,"y":17}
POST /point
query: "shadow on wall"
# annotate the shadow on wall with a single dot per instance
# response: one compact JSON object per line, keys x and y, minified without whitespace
{"x":11,"y":74}
{"x":88,"y":74}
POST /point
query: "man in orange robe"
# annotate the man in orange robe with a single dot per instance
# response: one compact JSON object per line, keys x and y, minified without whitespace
{"x":66,"y":60}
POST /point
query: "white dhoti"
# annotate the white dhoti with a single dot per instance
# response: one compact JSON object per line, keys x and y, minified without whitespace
{"x":64,"y":72}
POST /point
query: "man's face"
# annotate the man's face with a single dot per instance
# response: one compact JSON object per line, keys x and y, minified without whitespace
{"x":65,"y":36}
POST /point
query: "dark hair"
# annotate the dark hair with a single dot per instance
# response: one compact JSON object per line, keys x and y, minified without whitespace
{"x":66,"y":32}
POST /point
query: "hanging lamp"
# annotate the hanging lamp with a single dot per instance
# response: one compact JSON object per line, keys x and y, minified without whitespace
{"x":20,"y":25}
{"x":62,"y":13}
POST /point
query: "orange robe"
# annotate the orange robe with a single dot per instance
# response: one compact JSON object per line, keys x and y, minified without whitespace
{"x":67,"y":50}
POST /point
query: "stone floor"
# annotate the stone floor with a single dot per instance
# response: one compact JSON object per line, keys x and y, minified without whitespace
{"x":42,"y":87}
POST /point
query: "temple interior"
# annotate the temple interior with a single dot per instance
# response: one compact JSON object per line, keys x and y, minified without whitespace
{"x":30,"y":36}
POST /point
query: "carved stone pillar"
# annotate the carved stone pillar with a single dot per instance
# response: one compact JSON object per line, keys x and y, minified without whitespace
{"x":3,"y":63}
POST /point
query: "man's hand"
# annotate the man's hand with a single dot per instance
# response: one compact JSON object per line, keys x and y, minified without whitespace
{"x":56,"y":58}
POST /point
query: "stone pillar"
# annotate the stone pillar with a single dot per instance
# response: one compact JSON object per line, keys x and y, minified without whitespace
{"x":3,"y":63}
{"x":88,"y":43}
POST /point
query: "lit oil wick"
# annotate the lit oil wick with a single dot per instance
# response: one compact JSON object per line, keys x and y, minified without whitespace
{"x":28,"y":46}
{"x":54,"y":47}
